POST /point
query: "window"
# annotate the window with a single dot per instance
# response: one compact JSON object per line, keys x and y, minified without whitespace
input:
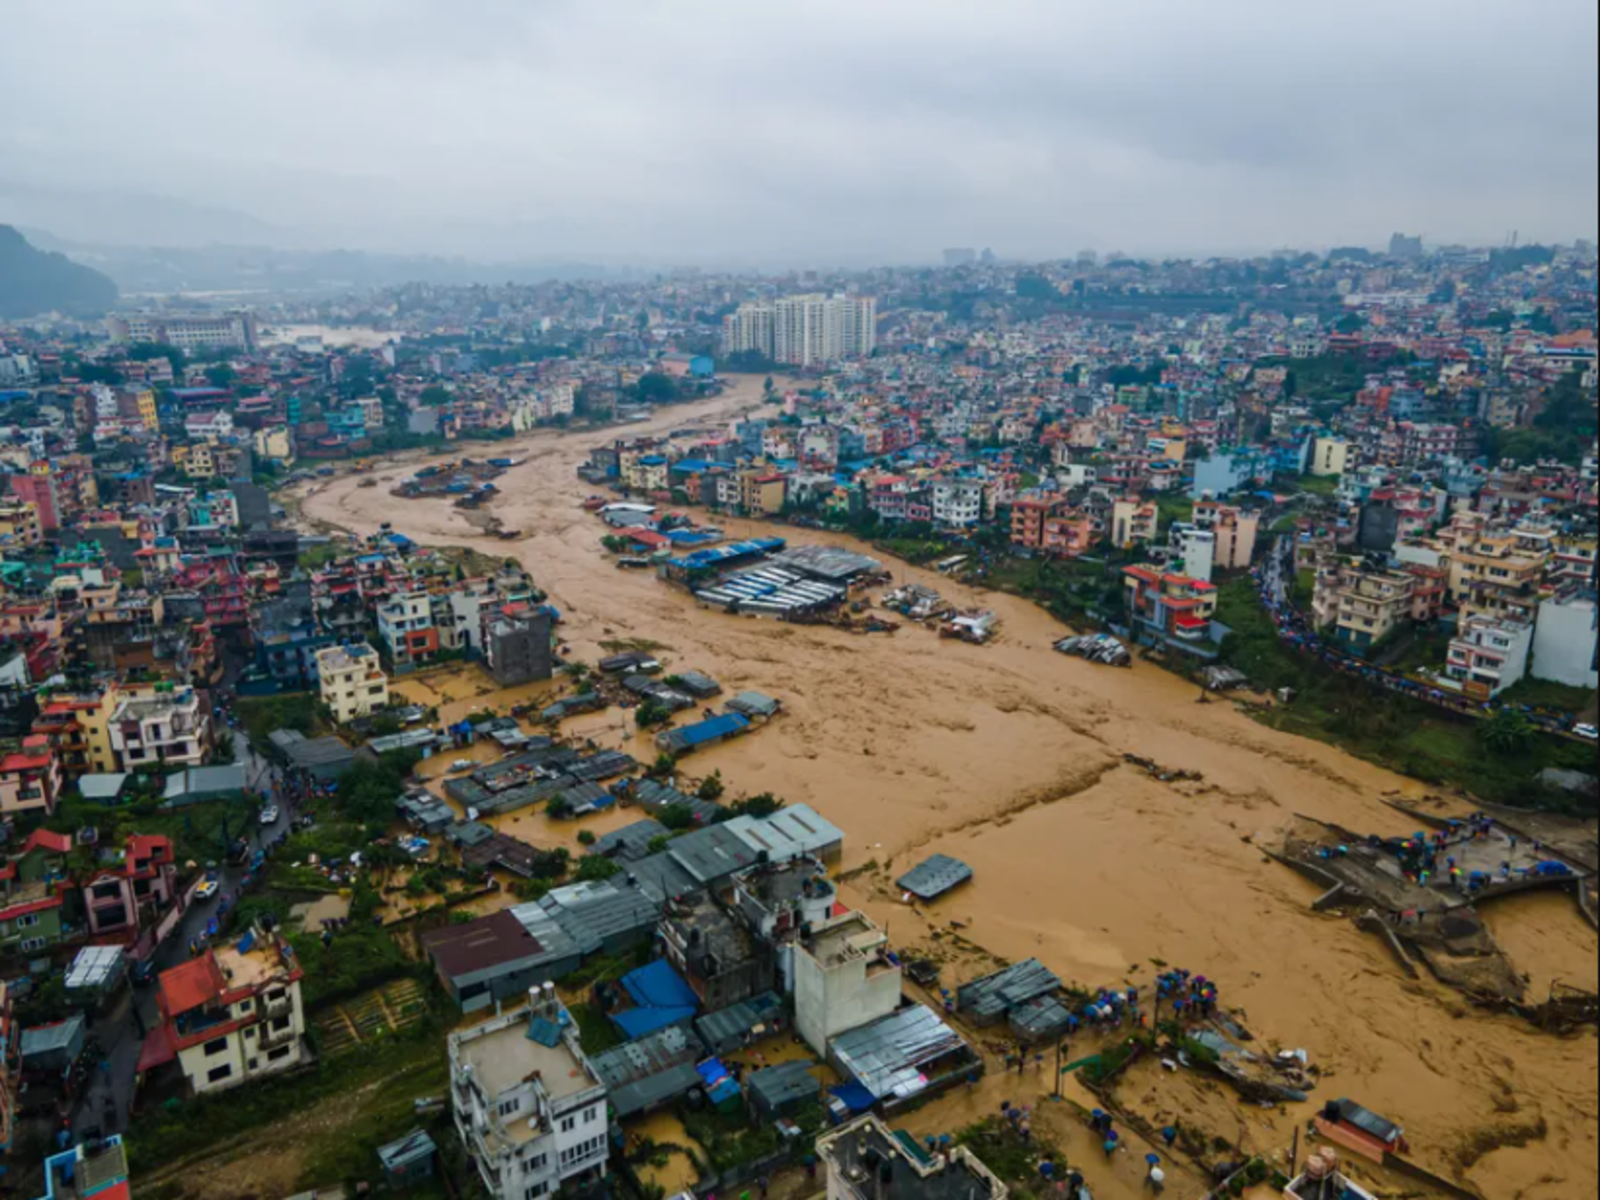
{"x":218,"y":1074}
{"x":27,"y":920}
{"x":590,"y":1114}
{"x":535,"y":1191}
{"x":536,"y":1162}
{"x":216,"y":1046}
{"x":509,"y":1107}
{"x":30,"y":944}
{"x":280,"y":1023}
{"x":281,"y":1053}
{"x":568,"y":1124}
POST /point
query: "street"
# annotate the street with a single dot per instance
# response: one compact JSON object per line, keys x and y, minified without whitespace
{"x":121,"y":1029}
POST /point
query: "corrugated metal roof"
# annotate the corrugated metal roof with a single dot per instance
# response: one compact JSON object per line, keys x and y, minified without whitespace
{"x":415,"y":1147}
{"x":934,"y":877}
{"x":592,"y":913}
{"x":791,"y":832}
{"x":886,"y":1056}
{"x":785,"y":1084}
{"x":995,"y":995}
{"x":712,"y":853}
{"x":631,"y":841}
{"x":753,"y":704}
{"x":649,"y":1071}
{"x":95,"y":966}
{"x":737,"y":1021}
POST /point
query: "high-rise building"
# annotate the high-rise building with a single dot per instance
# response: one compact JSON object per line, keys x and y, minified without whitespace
{"x":960,"y":256}
{"x":804,"y":331}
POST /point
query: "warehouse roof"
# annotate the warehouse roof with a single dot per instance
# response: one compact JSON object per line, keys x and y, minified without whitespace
{"x":934,"y":877}
{"x":995,"y":995}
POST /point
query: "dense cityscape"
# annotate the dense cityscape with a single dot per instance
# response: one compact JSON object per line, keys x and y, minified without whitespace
{"x":319,"y":755}
{"x":897,"y":601}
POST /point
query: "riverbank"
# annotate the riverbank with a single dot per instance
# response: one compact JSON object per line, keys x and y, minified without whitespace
{"x":1011,"y":757}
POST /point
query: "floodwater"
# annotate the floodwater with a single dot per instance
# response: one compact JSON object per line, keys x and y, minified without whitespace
{"x":1010,"y":756}
{"x":334,"y":335}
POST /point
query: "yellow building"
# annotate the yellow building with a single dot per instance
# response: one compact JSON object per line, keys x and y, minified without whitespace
{"x":1492,"y":575}
{"x":19,"y":522}
{"x":1132,"y":522}
{"x":761,"y":492}
{"x":197,"y":461}
{"x":352,"y":683}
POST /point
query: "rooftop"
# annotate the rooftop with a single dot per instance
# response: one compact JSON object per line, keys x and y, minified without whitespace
{"x":866,"y":1149}
{"x":503,"y":1054}
{"x":845,"y":938}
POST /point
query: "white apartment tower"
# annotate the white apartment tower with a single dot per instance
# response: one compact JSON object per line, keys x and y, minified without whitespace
{"x":804,"y":331}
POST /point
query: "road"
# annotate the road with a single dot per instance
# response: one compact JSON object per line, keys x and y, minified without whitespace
{"x":122,"y":1028}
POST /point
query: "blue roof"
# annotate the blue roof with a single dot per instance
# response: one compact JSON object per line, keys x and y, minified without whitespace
{"x":658,"y":985}
{"x":689,"y":466}
{"x":711,"y":728}
{"x":636,"y":1023}
{"x":856,"y":1098}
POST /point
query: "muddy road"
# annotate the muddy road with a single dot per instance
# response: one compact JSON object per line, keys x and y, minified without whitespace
{"x":1010,"y":756}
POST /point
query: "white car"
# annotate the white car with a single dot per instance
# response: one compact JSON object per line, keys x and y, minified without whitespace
{"x":1586,"y":731}
{"x":269,"y":815}
{"x":462,"y":764}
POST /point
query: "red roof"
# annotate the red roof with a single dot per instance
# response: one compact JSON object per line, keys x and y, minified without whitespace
{"x":649,"y":537}
{"x":24,"y":762}
{"x":44,"y":839}
{"x":32,"y":906}
{"x":1188,"y":622}
{"x":192,"y":984}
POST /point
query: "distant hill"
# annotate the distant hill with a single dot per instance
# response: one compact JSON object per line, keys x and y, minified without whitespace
{"x":33,"y":282}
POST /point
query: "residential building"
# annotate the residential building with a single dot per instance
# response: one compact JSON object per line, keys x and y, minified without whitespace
{"x":405,"y":623}
{"x":866,"y":1160}
{"x":19,"y":523}
{"x":1169,"y":609}
{"x":125,"y":902}
{"x":30,"y":778}
{"x":957,"y":503}
{"x":516,"y":646}
{"x":844,"y":977}
{"x":715,"y":952}
{"x":528,"y":1105}
{"x":1566,"y":640}
{"x":804,"y":331}
{"x":33,"y":889}
{"x":1195,"y":550}
{"x":230,"y":1016}
{"x":1491,"y":574}
{"x":1234,"y":530}
{"x":1132,"y":522}
{"x":1488,"y":655}
{"x":1371,"y":604}
{"x":351,"y":681}
{"x":157,"y":725}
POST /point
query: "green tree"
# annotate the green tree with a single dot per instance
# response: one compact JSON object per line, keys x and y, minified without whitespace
{"x":655,"y":388}
{"x":711,"y":787}
{"x":220,"y":376}
{"x":1506,"y":731}
{"x":435,"y":396}
{"x":596,"y":867}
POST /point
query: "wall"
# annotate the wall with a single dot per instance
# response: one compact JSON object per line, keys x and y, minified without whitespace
{"x":1564,"y":643}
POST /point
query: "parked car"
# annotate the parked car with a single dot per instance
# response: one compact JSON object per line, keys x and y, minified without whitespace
{"x":1586,"y":731}
{"x":208,"y":887}
{"x":462,"y":764}
{"x":269,"y":815}
{"x":143,"y":973}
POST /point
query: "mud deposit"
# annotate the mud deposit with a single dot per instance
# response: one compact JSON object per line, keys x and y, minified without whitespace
{"x":1010,"y":756}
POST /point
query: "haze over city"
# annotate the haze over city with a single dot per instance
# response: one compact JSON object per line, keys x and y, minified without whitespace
{"x":850,"y":134}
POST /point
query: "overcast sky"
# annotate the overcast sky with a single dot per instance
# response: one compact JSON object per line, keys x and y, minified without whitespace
{"x":820,"y":132}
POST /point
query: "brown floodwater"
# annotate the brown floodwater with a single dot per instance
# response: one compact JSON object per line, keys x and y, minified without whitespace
{"x":1010,"y":756}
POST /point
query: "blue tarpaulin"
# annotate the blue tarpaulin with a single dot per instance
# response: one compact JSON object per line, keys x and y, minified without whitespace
{"x":661,"y":999}
{"x":720,"y":1086}
{"x":657,"y":985}
{"x":856,"y":1098}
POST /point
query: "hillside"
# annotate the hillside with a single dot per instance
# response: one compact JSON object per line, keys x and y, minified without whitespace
{"x":33,"y":282}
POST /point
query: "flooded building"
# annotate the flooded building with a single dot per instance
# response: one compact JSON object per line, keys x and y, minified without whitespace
{"x":866,"y":1161}
{"x":844,"y":977}
{"x":528,"y":1105}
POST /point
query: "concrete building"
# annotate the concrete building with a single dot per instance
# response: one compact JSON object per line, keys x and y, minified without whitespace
{"x":957,"y":503}
{"x":234,"y":330}
{"x":1489,"y":655}
{"x":1566,"y":640}
{"x":1195,"y":550}
{"x":19,"y":523}
{"x":516,"y":647}
{"x":843,"y":978}
{"x":405,"y":623}
{"x":1371,"y":605}
{"x":1234,"y":529}
{"x":157,"y":725}
{"x":30,"y":779}
{"x":351,"y":681}
{"x":1132,"y":522}
{"x":231,"y":1015}
{"x":527,"y":1104}
{"x":805,"y":331}
{"x":866,"y":1161}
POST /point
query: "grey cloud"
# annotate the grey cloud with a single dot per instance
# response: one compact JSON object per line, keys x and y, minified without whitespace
{"x":713,"y":131}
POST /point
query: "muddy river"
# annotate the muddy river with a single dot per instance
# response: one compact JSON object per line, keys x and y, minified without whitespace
{"x":1010,"y":756}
